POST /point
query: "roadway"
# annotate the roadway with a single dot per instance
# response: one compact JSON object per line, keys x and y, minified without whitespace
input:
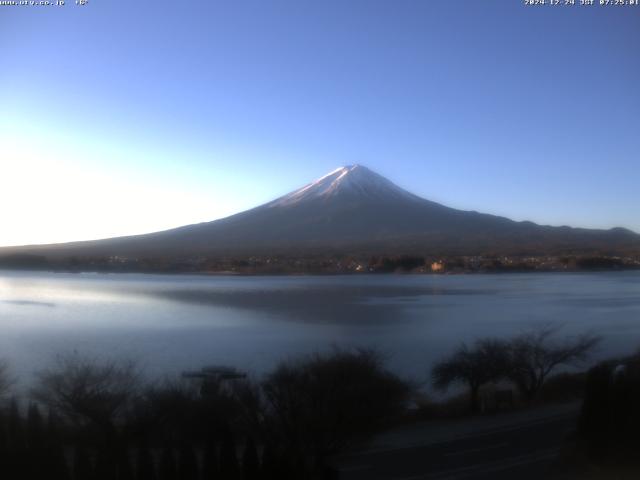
{"x":521,"y":445}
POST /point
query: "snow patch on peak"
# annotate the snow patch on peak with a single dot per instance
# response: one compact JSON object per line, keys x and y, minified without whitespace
{"x":353,"y":181}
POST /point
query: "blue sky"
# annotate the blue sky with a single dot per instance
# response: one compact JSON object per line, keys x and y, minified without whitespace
{"x":125,"y":117}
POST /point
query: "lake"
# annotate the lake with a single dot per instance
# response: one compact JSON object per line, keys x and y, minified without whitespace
{"x":169,"y":323}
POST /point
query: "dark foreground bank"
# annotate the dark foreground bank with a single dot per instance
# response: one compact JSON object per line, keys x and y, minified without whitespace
{"x":95,"y":420}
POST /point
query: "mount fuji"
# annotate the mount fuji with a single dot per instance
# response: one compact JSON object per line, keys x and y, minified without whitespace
{"x":353,"y":210}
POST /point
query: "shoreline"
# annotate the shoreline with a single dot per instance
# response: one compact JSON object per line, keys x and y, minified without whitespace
{"x":231,"y":273}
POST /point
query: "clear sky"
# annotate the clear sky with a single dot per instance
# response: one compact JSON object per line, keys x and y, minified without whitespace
{"x":122,"y":117}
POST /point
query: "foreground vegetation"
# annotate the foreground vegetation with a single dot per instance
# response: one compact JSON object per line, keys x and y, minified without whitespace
{"x":525,"y":361}
{"x":86,"y":419}
{"x":103,"y":422}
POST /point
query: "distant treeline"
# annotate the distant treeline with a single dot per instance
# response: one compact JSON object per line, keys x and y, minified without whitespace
{"x":322,"y":264}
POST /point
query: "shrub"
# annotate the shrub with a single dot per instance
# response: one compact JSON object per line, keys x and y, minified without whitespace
{"x":320,"y":404}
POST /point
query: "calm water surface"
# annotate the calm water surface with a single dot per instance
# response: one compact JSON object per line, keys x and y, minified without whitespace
{"x":171,"y":323}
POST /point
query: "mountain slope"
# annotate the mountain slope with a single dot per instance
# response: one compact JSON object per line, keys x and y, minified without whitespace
{"x":354,"y":210}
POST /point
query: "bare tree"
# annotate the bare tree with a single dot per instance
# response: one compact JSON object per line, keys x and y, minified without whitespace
{"x":485,"y":362}
{"x":534,"y":355}
{"x":87,"y":391}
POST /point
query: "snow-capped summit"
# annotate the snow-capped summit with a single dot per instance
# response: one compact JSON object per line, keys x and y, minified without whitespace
{"x":350,"y":181}
{"x":351,"y":209}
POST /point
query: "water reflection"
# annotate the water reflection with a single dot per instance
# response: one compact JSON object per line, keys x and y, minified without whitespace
{"x":29,"y":303}
{"x":372,"y":305}
{"x":171,"y":323}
